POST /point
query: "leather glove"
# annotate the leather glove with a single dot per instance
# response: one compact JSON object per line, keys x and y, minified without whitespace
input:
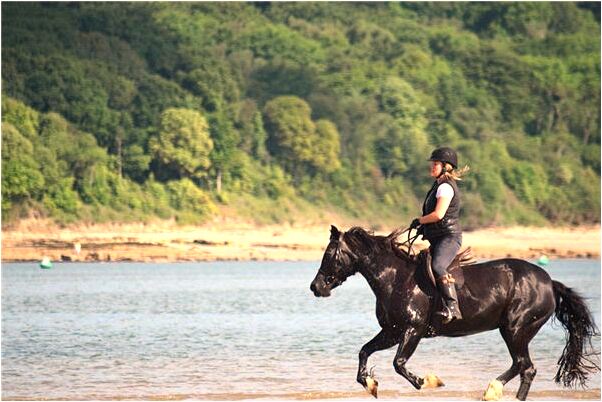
{"x":415,"y":223}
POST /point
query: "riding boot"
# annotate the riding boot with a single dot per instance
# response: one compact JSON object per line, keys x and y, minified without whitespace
{"x":451,"y":309}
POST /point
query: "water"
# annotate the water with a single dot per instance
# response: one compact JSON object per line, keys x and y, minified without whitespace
{"x":235,"y":330}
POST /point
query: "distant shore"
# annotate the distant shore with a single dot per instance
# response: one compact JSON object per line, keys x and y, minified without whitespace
{"x":167,"y":242}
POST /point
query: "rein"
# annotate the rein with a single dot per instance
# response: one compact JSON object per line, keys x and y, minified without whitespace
{"x":410,"y":240}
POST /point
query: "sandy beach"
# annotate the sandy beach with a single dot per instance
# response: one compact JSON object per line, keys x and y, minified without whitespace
{"x":31,"y":240}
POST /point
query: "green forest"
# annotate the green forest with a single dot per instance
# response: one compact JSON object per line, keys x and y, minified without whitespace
{"x":280,"y":112}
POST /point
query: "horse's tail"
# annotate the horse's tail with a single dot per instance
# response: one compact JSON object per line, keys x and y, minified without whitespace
{"x":575,"y":363}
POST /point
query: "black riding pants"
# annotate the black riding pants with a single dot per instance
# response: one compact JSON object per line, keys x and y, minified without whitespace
{"x":443,"y":250}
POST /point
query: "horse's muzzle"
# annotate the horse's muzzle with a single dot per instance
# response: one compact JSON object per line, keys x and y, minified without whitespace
{"x":318,"y":287}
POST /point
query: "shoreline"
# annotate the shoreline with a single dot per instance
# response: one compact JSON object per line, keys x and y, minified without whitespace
{"x":388,"y":394}
{"x":241,"y":241}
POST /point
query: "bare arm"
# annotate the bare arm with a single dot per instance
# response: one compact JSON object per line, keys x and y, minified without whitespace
{"x":438,"y":213}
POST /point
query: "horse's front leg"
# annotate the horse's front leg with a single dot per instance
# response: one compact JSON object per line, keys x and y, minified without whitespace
{"x":410,"y":337}
{"x":383,"y":340}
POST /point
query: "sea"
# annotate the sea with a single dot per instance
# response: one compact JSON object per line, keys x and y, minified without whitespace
{"x":238,"y":331}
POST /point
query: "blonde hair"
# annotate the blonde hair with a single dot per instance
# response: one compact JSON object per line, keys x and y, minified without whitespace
{"x":454,"y":174}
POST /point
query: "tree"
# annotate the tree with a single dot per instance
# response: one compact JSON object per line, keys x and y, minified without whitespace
{"x":183,"y":144}
{"x":136,"y":162}
{"x":528,"y":181}
{"x":259,"y":138}
{"x":291,"y":132}
{"x":21,"y":177}
{"x":301,"y":145}
{"x":403,"y":145}
{"x":22,"y":117}
{"x":214,"y":84}
{"x":326,"y":147}
{"x":249,"y":123}
{"x":389,"y":150}
{"x":225,"y":139}
{"x":277,"y":41}
{"x":295,"y":90}
{"x":399,"y":99}
{"x":185,"y":196}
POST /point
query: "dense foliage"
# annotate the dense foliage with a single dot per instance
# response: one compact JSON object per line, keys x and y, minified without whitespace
{"x":127,"y":111}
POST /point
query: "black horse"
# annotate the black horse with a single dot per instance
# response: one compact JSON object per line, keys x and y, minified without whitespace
{"x":511,"y":295}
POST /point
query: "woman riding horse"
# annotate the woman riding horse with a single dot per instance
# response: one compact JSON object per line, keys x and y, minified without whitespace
{"x":439,"y":224}
{"x":508,"y":294}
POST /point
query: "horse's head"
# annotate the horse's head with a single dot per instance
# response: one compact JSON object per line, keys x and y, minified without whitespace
{"x":337,"y":265}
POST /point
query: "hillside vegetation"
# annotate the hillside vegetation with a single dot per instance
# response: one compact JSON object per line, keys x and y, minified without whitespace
{"x":282,"y":111}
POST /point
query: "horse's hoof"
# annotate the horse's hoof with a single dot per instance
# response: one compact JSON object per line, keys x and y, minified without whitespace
{"x":431,"y":381}
{"x":372,"y":386}
{"x":493,"y":391}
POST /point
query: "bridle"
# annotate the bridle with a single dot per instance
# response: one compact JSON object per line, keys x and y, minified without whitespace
{"x":343,"y":248}
{"x":340,"y":248}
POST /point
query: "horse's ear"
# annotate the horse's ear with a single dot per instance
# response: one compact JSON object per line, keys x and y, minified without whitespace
{"x":334,"y":233}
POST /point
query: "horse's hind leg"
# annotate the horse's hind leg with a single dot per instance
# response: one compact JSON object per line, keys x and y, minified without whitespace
{"x":517,"y":346}
{"x":515,"y":368}
{"x":517,"y":339}
{"x":527,"y":373}
{"x":495,"y":388}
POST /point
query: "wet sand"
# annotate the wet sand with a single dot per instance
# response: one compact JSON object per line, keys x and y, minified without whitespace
{"x":221,"y":240}
{"x":426,"y":395}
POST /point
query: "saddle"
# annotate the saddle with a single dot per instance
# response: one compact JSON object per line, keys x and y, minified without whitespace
{"x":462,"y":259}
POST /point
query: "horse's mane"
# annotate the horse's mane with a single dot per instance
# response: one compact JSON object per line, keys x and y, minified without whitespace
{"x":360,"y":237}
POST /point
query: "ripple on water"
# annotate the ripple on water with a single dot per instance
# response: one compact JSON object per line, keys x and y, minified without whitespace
{"x":234,"y":331}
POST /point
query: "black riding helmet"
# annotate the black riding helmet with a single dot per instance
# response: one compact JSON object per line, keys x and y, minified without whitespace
{"x":445,"y":155}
